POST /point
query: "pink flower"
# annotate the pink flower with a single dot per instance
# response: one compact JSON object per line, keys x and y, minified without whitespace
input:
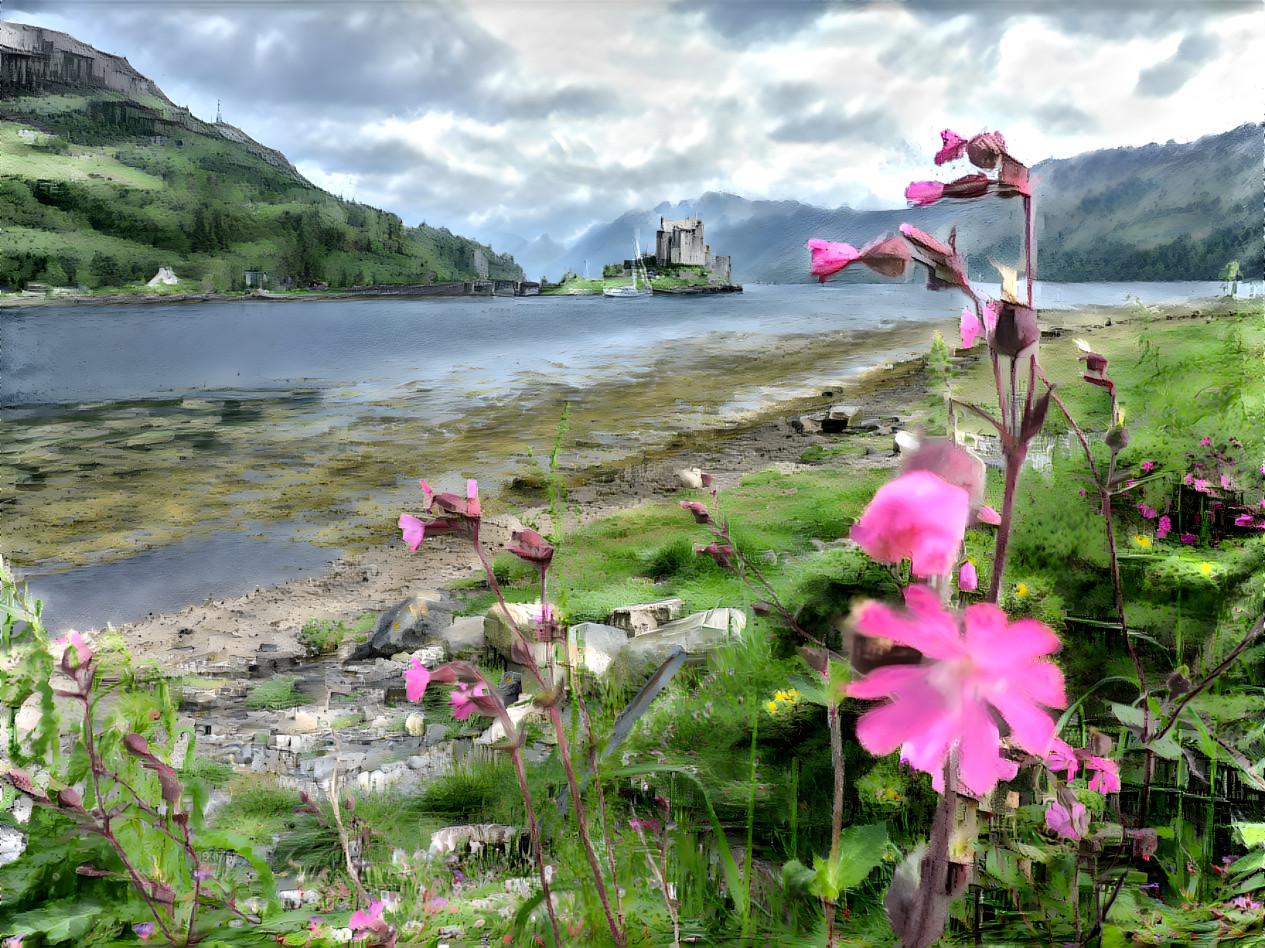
{"x":462,"y":699}
{"x":1082,"y":492}
{"x":1245,"y":903}
{"x":953,"y":147}
{"x":699,"y":511}
{"x":1205,"y":442}
{"x":1243,"y":520}
{"x":415,"y":680}
{"x":917,"y":516}
{"x":74,"y":640}
{"x":1263,"y":468}
{"x":144,"y":931}
{"x":1073,"y":824}
{"x":720,"y":552}
{"x":1147,"y":512}
{"x":1062,"y":757}
{"x":414,"y":531}
{"x":1106,"y":778}
{"x":923,"y":193}
{"x":968,"y":579}
{"x":1188,"y":479}
{"x":1188,"y":538}
{"x":645,"y":826}
{"x":1225,"y":482}
{"x":1162,"y":528}
{"x":362,"y":921}
{"x":1148,"y":467}
{"x":530,"y":546}
{"x":830,"y":257}
{"x":988,"y":515}
{"x":949,"y":700}
{"x":1201,"y":485}
{"x":970,"y":327}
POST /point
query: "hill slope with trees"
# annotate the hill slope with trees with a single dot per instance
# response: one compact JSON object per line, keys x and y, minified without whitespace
{"x":103,"y":180}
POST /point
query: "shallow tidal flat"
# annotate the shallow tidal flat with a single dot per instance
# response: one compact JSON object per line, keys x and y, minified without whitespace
{"x":95,"y":483}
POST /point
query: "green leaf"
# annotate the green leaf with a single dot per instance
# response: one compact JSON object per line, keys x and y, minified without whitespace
{"x":1252,"y":834}
{"x":1207,"y":746}
{"x":59,"y":921}
{"x":1127,"y":715}
{"x":861,"y":849}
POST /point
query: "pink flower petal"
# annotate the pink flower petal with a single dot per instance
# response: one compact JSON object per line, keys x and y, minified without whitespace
{"x":953,"y":147}
{"x":415,"y":680}
{"x":923,"y":193}
{"x":968,"y":579}
{"x":970,"y":328}
{"x":978,"y":756}
{"x":414,"y":531}
{"x":917,"y":516}
{"x":988,"y":515}
{"x":923,"y":625}
{"x":830,"y":257}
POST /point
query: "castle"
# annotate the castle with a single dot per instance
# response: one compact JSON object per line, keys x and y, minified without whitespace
{"x":681,"y":241}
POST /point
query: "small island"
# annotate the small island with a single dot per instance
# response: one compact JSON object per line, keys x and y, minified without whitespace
{"x":681,"y":264}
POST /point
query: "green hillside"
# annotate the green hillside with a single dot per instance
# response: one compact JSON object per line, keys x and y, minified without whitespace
{"x":100,"y":190}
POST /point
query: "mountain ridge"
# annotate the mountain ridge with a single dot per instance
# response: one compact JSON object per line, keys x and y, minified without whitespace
{"x":1155,"y":211}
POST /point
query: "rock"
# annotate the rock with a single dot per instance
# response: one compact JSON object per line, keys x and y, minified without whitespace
{"x":697,"y":634}
{"x":465,"y":639}
{"x":304,"y":721}
{"x":435,"y":734}
{"x":417,"y":621}
{"x":645,"y":616}
{"x":690,"y":477}
{"x":518,"y":713}
{"x":497,"y":633}
{"x":840,"y":418}
{"x":415,"y":725}
{"x":417,"y":763}
{"x":593,"y":646}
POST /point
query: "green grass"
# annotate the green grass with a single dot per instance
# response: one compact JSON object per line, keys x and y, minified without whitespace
{"x":275,"y":694}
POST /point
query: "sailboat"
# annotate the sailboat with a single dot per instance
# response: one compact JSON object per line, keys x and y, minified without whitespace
{"x":635,"y":291}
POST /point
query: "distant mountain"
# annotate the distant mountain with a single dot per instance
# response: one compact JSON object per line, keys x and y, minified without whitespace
{"x":106,"y":180}
{"x":1158,"y":212}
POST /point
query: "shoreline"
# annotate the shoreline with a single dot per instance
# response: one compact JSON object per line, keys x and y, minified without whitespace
{"x":237,"y":628}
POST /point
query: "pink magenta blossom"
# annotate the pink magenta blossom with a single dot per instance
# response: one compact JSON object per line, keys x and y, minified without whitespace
{"x":1201,"y":485}
{"x":699,"y":510}
{"x":1162,"y":528}
{"x":530,"y":546}
{"x":923,"y":193}
{"x":416,"y":679}
{"x":144,"y":931}
{"x":830,"y":257}
{"x":1062,"y":757}
{"x":1243,"y":520}
{"x":1188,"y":479}
{"x":1188,"y":538}
{"x":1205,"y":442}
{"x":1147,"y":512}
{"x":1106,"y":778}
{"x":1073,"y":823}
{"x":362,"y":921}
{"x":968,"y":579}
{"x":651,"y":826}
{"x":1263,"y":468}
{"x":970,"y":327}
{"x":462,"y":699}
{"x":988,"y":515}
{"x":414,"y":531}
{"x":720,"y":552}
{"x":953,"y":147}
{"x":1148,"y":467}
{"x":1225,"y":482}
{"x":948,"y":702}
{"x":75,"y":640}
{"x":919,"y":517}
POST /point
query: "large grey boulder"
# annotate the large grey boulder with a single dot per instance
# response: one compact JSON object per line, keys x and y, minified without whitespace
{"x":698,"y":634}
{"x":645,"y":616}
{"x":419,"y":620}
{"x":593,"y":647}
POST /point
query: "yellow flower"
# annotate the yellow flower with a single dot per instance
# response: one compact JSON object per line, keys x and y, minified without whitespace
{"x":1205,"y":568}
{"x":793,"y":695}
{"x":772,"y":706}
{"x":1142,"y":541}
{"x":780,"y":696}
{"x":1021,"y":590}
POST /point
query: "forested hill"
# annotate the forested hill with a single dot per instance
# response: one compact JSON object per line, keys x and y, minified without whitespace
{"x":103,"y":180}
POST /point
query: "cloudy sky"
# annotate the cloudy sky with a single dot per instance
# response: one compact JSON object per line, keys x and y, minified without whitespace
{"x":523,"y":117}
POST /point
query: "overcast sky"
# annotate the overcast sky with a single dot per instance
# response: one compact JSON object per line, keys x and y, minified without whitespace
{"x":523,"y":117}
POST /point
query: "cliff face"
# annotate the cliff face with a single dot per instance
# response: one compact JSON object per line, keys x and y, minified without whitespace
{"x":37,"y":61}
